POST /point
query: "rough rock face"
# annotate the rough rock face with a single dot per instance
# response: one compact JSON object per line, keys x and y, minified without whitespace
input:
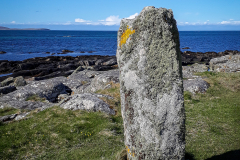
{"x":101,"y":81}
{"x":197,"y":85}
{"x":48,"y":89}
{"x":152,"y":108}
{"x":86,"y":101}
{"x":228,"y":63}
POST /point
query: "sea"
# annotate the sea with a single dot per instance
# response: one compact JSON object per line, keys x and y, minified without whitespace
{"x":21,"y":45}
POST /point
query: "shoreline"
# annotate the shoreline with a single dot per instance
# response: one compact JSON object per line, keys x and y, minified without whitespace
{"x":53,"y":66}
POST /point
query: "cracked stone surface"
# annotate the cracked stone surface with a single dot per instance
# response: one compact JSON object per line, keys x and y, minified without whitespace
{"x":149,"y":61}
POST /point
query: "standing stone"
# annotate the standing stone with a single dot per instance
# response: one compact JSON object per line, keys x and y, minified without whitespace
{"x":151,"y":91}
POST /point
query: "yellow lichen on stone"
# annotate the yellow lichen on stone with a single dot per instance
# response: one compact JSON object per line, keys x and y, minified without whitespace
{"x":125,"y":36}
{"x":128,"y":150}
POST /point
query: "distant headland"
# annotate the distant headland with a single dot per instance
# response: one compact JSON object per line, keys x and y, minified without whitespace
{"x":42,"y":29}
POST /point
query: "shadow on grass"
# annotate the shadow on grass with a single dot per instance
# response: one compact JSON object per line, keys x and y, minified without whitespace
{"x":231,"y":155}
{"x":189,"y":156}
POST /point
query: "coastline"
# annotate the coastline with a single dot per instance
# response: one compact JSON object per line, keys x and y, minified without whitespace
{"x":53,"y":66}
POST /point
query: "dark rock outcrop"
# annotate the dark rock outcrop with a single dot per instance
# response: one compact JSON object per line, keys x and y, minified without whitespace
{"x":7,"y":89}
{"x":52,"y":66}
{"x":189,"y":58}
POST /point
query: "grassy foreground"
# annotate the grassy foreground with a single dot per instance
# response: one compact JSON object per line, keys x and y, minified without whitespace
{"x":212,"y":127}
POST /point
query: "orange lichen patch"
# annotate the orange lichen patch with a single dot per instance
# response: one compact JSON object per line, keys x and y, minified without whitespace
{"x":125,"y":36}
{"x":128,"y":150}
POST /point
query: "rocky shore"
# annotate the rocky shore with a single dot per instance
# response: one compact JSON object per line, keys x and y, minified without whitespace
{"x":71,"y":82}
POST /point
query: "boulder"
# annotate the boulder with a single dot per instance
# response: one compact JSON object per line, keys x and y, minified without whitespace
{"x":21,"y":116}
{"x":110,"y":62}
{"x":197,"y":85}
{"x":7,"y":101}
{"x":149,"y":61}
{"x":7,"y":118}
{"x":47,"y":89}
{"x":228,"y":63}
{"x":100,"y":81}
{"x":196,"y":68}
{"x":7,"y":81}
{"x":19,"y":81}
{"x":87,"y":102}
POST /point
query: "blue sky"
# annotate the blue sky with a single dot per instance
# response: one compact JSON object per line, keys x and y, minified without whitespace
{"x":107,"y":14}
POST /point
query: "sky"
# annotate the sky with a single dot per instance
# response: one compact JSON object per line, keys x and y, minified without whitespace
{"x":191,"y":15}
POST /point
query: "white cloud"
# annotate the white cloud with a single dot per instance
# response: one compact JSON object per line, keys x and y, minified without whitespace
{"x":80,"y":20}
{"x":231,"y":22}
{"x":67,"y":23}
{"x":132,"y":16}
{"x":111,"y":20}
{"x":225,"y":22}
{"x":13,"y":22}
{"x":231,"y":19}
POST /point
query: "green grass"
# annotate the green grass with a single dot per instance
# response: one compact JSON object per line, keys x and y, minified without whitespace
{"x":34,"y":98}
{"x":212,"y":127}
{"x":213,"y":118}
{"x":8,"y":111}
{"x":61,"y":134}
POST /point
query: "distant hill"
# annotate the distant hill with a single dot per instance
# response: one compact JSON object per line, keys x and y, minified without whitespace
{"x":5,"y":28}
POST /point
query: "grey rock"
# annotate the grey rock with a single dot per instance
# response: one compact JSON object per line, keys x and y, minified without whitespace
{"x":19,"y":81}
{"x":197,"y":85}
{"x":80,"y":68}
{"x":101,"y":95}
{"x":228,"y":63}
{"x":21,"y":116}
{"x":62,"y":96}
{"x":196,"y":68}
{"x":87,"y":102}
{"x":48,"y":89}
{"x":102,"y":80}
{"x":149,"y":61}
{"x":7,"y":101}
{"x":7,"y":81}
{"x":110,"y":62}
{"x":7,"y":89}
{"x":7,"y":118}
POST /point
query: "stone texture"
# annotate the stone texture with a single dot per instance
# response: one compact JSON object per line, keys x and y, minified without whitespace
{"x":21,"y":116}
{"x":8,"y":101}
{"x":228,"y":63}
{"x":7,"y":118}
{"x":101,"y":81}
{"x":48,"y":89}
{"x":7,"y":81}
{"x":197,"y":85}
{"x":86,"y":101}
{"x":149,"y":61}
{"x":19,"y":81}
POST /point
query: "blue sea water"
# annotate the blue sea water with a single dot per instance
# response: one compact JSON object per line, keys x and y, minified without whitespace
{"x":21,"y":45}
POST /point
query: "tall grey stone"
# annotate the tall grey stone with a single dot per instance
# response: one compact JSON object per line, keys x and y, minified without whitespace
{"x":151,"y":91}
